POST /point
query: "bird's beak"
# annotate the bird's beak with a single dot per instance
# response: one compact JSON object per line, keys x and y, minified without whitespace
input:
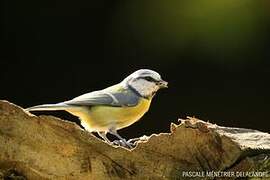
{"x":163,"y":84}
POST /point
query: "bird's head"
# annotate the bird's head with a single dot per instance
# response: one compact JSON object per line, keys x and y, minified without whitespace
{"x":145,"y":82}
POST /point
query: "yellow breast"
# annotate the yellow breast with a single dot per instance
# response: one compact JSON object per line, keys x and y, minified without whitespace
{"x":101,"y":118}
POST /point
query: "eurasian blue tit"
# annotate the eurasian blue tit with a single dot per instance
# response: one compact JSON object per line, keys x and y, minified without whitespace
{"x":113,"y":108}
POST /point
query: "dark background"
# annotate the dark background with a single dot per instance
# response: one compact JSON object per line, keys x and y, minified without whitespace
{"x":215,"y":55}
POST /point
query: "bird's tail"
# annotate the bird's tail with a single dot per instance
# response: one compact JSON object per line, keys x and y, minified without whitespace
{"x":49,"y":107}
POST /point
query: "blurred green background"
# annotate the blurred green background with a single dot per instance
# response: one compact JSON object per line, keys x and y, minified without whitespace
{"x":227,"y":31}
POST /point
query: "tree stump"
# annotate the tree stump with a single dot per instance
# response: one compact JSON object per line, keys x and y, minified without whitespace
{"x":46,"y":147}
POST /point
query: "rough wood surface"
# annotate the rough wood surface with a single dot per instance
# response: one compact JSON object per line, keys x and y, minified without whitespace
{"x":46,"y":147}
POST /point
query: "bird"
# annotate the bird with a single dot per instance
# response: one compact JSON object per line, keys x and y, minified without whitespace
{"x":115,"y":107}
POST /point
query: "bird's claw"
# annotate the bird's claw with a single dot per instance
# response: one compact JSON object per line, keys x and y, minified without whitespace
{"x":124,"y":143}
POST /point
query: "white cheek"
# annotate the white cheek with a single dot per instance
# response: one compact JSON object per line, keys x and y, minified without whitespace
{"x":145,"y":88}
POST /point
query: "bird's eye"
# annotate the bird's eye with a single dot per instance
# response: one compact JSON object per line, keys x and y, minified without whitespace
{"x":148,"y":78}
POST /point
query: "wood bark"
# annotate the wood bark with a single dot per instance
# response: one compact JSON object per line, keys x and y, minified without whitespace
{"x":46,"y":147}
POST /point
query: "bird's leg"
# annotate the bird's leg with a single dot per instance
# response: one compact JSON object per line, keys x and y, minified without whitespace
{"x":122,"y":141}
{"x":102,"y":134}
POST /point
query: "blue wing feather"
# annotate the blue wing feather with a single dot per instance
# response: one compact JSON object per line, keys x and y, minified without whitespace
{"x":108,"y":97}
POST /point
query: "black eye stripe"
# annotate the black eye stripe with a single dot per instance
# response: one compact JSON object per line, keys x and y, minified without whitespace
{"x":149,"y":78}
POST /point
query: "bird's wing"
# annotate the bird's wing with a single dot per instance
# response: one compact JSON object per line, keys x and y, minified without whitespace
{"x":119,"y":98}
